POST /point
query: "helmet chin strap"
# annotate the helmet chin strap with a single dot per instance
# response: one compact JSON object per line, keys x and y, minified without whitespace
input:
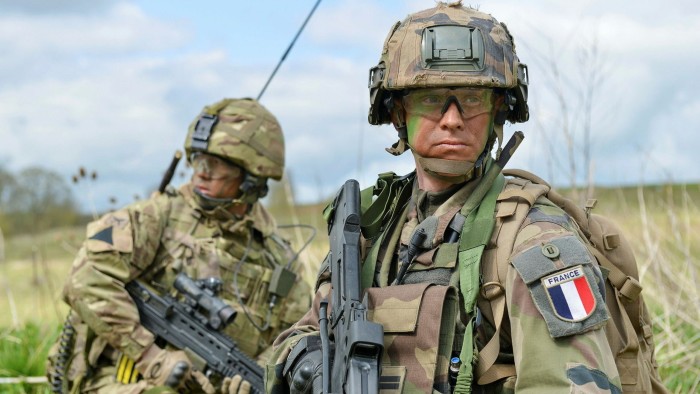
{"x":249,"y":191}
{"x":218,"y":207}
{"x":452,"y":171}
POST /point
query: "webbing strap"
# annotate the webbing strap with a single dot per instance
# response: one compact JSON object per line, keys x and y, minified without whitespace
{"x":486,"y":367}
{"x":525,"y":195}
{"x":370,"y":264}
{"x":628,"y":287}
{"x":373,"y":210}
{"x":487,"y":370}
{"x":476,"y":233}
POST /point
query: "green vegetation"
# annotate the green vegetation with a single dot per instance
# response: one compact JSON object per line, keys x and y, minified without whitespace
{"x":23,"y":353}
{"x":35,"y":200}
{"x":659,"y":220}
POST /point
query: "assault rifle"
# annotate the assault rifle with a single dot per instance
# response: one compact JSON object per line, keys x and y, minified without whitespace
{"x":358,"y":342}
{"x":194,"y":325}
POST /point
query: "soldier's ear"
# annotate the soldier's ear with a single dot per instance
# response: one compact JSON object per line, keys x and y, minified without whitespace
{"x":397,"y":113}
{"x":501,"y":109}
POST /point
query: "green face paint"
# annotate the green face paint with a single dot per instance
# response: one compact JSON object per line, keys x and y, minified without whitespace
{"x":413,"y":123}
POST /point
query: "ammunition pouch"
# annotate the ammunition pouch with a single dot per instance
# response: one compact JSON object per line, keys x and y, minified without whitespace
{"x":417,"y":316}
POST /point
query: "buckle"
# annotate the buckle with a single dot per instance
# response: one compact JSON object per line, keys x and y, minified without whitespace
{"x":630,"y":289}
{"x":492,"y":290}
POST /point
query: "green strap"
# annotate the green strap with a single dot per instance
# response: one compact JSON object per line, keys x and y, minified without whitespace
{"x":391,"y":198}
{"x":373,"y":211}
{"x":475,"y":235}
{"x":370,"y":264}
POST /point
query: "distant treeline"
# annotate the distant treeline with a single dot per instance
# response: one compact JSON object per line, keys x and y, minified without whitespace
{"x":34,"y":200}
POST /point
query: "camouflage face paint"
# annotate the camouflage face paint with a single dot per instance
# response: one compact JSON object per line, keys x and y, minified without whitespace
{"x":413,"y":123}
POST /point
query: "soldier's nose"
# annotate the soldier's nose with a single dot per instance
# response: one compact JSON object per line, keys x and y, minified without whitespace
{"x":452,"y":118}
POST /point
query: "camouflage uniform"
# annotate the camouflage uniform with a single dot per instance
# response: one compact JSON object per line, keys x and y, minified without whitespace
{"x":427,"y":318}
{"x":153,"y":241}
{"x":565,"y":363}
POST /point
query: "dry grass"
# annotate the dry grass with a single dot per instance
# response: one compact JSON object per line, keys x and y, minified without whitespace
{"x":662,"y":225}
{"x":659,"y":220}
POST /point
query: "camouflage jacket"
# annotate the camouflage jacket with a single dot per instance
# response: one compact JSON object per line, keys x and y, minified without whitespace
{"x":545,"y":351}
{"x":154,"y":240}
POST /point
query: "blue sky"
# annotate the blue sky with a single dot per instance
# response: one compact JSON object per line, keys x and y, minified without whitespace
{"x":112,"y":85}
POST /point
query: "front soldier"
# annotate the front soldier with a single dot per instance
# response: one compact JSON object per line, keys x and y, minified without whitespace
{"x":460,"y":296}
{"x":212,"y":227}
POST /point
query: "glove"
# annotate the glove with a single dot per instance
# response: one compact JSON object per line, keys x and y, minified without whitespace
{"x":303,"y":368}
{"x":235,"y":385}
{"x":162,"y":367}
{"x":203,"y":382}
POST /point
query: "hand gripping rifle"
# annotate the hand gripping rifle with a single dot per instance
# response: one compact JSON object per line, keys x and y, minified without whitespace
{"x":359,"y":343}
{"x":194,"y":326}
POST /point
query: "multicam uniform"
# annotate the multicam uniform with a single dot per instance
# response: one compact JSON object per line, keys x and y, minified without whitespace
{"x":426,"y":314}
{"x":152,"y":241}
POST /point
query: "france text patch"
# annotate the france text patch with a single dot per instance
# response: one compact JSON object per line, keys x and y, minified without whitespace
{"x":570,"y":294}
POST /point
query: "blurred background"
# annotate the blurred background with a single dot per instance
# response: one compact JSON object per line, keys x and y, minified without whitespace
{"x":95,"y":97}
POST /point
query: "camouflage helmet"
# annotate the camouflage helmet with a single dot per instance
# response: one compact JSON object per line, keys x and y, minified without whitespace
{"x":448,"y":46}
{"x":241,"y":131}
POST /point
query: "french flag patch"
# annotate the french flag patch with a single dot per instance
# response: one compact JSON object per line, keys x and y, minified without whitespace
{"x":570,"y":294}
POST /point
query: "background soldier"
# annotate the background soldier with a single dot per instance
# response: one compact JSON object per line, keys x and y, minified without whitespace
{"x":213,"y":226}
{"x":469,"y":311}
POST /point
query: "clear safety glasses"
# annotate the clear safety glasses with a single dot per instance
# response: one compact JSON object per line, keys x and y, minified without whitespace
{"x":433,"y":103}
{"x":214,"y":168}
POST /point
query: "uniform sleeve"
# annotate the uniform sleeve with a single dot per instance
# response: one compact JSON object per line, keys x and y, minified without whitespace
{"x":557,"y":311}
{"x":306,"y":326}
{"x":118,"y":247}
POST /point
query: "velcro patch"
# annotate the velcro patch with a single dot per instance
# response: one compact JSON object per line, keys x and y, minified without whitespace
{"x":570,"y":294}
{"x":564,"y":287}
{"x":111,"y":232}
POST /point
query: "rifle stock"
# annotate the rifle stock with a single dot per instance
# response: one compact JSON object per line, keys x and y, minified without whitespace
{"x":359,"y":343}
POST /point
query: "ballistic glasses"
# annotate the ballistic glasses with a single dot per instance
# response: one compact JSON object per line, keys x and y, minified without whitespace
{"x":214,"y":168}
{"x":433,"y":103}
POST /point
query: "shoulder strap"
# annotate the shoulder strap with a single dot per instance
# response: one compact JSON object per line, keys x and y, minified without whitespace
{"x":391,"y":193}
{"x":513,"y":205}
{"x":471,"y":248}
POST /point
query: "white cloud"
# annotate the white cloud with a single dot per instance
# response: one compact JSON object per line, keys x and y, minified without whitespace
{"x":114,"y":88}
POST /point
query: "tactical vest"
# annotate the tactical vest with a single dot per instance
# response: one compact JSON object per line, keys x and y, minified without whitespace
{"x":628,"y":332}
{"x":241,"y":255}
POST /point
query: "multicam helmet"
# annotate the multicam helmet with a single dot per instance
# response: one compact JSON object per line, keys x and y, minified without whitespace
{"x":448,"y":46}
{"x":241,"y":131}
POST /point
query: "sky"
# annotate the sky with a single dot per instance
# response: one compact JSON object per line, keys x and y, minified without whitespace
{"x":112,"y":86}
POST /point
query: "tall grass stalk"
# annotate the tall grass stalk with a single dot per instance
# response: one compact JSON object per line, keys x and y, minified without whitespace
{"x":660,"y":223}
{"x":668,"y":272}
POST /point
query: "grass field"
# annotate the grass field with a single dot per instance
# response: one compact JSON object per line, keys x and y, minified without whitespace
{"x":661,"y":221}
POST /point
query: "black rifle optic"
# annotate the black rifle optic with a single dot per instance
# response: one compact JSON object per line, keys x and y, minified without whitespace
{"x":194,"y":325}
{"x":358,"y":343}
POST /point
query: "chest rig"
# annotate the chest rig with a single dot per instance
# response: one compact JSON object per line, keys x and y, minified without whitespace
{"x":248,"y":262}
{"x":456,"y":241}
